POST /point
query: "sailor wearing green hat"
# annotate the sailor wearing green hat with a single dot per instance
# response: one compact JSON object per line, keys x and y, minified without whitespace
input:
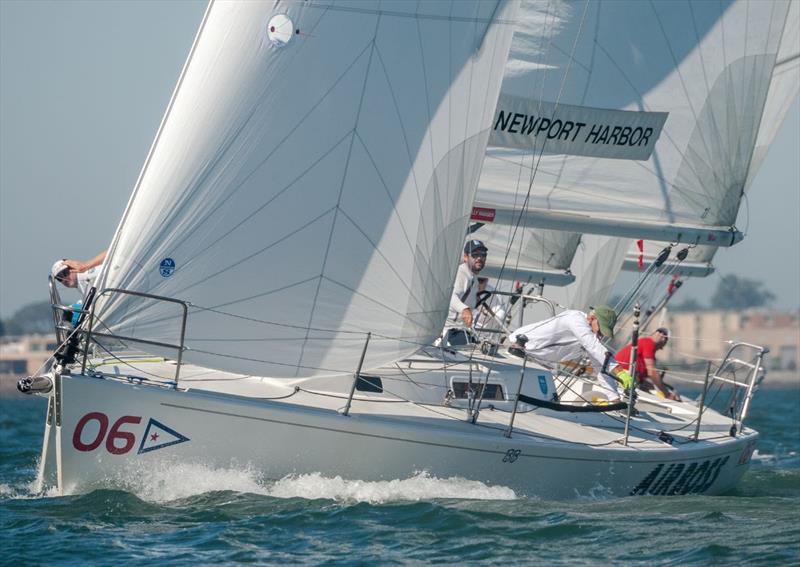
{"x":573,"y":334}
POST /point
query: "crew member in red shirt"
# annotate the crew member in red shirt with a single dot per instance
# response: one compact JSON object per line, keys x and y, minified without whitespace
{"x":646,"y":361}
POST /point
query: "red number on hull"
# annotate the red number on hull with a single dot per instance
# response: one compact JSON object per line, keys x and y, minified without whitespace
{"x":128,"y":438}
{"x":102,"y":419}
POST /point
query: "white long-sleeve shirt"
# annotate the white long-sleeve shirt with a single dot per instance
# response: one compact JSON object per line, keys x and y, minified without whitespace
{"x":497,"y":304}
{"x":465,"y":291}
{"x":566,"y":336}
{"x":86,"y":279}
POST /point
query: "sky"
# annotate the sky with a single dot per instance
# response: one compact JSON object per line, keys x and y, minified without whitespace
{"x":83,"y":87}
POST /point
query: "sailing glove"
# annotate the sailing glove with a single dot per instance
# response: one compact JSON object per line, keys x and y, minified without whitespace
{"x":626,"y":379}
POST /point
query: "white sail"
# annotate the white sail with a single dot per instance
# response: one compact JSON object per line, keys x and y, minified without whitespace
{"x":783,"y":90}
{"x":706,"y":83}
{"x":542,"y":256}
{"x":311,"y":182}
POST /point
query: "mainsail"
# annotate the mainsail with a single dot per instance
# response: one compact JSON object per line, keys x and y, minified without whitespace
{"x":633,"y":119}
{"x":783,"y":90}
{"x":311,"y":182}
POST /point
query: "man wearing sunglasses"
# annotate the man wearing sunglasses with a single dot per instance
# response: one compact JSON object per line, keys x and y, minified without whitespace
{"x":465,"y":290}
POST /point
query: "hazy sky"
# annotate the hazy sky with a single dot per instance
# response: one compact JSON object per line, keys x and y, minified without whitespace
{"x":83,"y":86}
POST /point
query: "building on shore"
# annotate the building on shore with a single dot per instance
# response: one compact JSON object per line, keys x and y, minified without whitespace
{"x":696,"y":337}
{"x":21,"y":356}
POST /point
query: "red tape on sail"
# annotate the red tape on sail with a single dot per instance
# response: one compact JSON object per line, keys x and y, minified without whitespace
{"x":640,"y":244}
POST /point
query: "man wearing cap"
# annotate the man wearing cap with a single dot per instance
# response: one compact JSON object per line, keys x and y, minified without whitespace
{"x":465,"y":290}
{"x":572,"y":334}
{"x":646,"y":362}
{"x":73,"y":273}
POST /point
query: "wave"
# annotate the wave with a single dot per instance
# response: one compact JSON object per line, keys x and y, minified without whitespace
{"x":421,"y":486}
{"x":169,"y":482}
{"x":160,"y":485}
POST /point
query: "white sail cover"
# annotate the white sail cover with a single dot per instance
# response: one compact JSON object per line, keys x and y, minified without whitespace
{"x":717,"y":76}
{"x":311,"y":182}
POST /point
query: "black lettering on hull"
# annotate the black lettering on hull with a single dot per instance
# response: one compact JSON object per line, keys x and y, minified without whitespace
{"x":643,"y":486}
{"x":669,"y":477}
{"x":680,"y":478}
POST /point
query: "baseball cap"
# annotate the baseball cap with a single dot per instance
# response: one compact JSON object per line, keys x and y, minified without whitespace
{"x":57,"y":268}
{"x":663,"y":330}
{"x":473,"y":245}
{"x":607,"y":318}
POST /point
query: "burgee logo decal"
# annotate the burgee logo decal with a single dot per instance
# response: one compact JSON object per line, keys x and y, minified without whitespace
{"x":158,"y":436}
{"x":543,"y":384}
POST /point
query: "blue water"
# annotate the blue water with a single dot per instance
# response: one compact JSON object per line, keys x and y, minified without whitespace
{"x":198,"y":516}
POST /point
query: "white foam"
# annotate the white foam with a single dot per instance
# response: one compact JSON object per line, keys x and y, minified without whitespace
{"x":169,"y":483}
{"x":421,"y":486}
{"x":26,"y":491}
{"x":763,"y":457}
{"x":174,"y":482}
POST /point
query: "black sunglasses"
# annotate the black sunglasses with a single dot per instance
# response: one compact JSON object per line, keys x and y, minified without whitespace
{"x":478,"y":254}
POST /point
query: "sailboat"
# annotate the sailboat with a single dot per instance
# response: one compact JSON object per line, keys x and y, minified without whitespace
{"x":284,"y":265}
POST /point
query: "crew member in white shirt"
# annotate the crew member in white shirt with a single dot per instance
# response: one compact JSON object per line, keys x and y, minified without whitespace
{"x":570,"y":335}
{"x":465,"y":289}
{"x":77,"y":274}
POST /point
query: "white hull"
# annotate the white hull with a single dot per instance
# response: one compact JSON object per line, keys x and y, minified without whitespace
{"x":107,"y":427}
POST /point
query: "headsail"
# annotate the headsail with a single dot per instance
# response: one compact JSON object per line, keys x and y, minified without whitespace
{"x":692,"y":82}
{"x":783,"y":90}
{"x":311,"y":182}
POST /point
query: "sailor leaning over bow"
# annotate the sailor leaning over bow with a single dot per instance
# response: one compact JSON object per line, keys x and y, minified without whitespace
{"x":570,"y":335}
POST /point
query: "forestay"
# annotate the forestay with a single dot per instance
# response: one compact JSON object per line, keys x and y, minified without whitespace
{"x":311,"y":182}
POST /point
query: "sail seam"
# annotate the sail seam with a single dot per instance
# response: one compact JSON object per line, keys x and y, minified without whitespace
{"x":766,"y":95}
{"x":417,"y":15}
{"x":380,"y":253}
{"x":383,"y":305}
{"x":341,"y":187}
{"x":680,"y":78}
{"x":665,"y":133}
{"x":429,"y":137}
{"x":261,"y":251}
{"x":405,"y":136}
{"x":266,"y":204}
{"x":278,"y":146}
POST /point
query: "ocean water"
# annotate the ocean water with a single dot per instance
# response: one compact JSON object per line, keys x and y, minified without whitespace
{"x":197,"y":516}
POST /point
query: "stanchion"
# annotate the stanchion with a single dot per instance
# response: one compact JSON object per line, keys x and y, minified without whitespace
{"x":702,"y":402}
{"x":632,"y":363}
{"x":516,"y":400}
{"x":356,"y":377}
